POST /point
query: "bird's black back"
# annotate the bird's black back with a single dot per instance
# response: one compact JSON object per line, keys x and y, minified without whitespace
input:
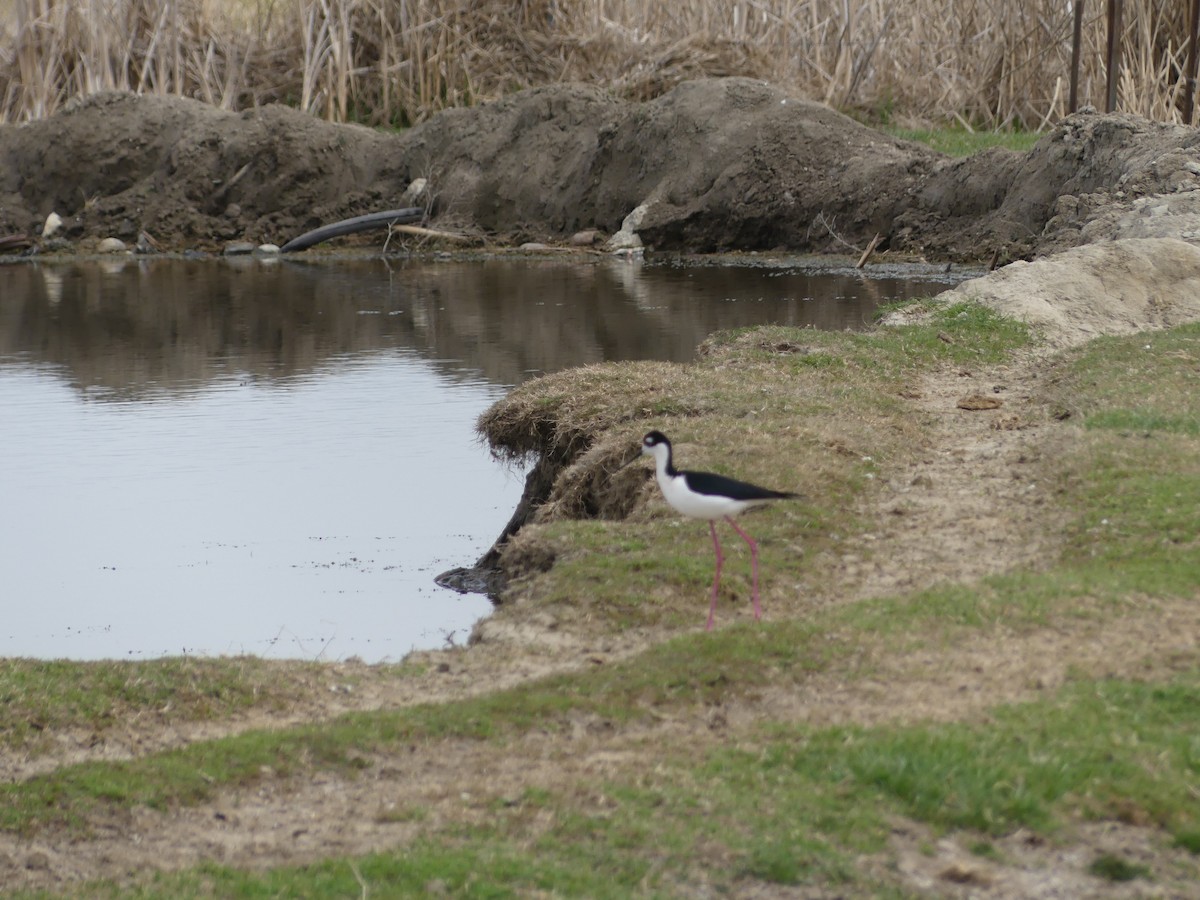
{"x":713,"y":484}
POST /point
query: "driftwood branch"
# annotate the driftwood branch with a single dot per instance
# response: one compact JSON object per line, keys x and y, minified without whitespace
{"x":431,"y":233}
{"x":866,"y":254}
{"x":385,"y":219}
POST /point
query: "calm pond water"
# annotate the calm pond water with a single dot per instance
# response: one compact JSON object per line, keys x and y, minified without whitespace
{"x":276,"y":458}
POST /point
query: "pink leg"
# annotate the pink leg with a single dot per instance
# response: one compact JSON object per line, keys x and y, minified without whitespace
{"x":753,"y":564}
{"x":712,"y":607}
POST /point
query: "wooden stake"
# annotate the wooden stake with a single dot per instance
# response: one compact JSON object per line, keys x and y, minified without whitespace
{"x":1076,"y":39}
{"x":1112,"y":59}
{"x":1189,"y":91}
{"x":862,"y":260}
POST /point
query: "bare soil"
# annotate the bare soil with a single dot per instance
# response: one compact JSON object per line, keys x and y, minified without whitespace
{"x":716,"y":164}
{"x":722,"y":164}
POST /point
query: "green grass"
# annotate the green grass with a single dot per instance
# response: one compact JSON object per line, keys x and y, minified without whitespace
{"x":1135,"y":478}
{"x":1142,"y":383}
{"x":42,"y":697}
{"x":795,"y":805}
{"x":960,"y":142}
{"x":484,"y":867}
{"x":1114,"y":868}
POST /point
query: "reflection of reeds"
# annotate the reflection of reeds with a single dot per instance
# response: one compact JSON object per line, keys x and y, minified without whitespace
{"x":156,"y":325}
{"x":987,"y":62}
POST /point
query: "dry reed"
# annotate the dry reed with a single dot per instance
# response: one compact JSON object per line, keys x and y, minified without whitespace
{"x":988,"y":63}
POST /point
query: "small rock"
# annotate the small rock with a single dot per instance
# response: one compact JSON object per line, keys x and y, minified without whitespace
{"x":415,"y":193}
{"x":267,"y":250}
{"x":233,"y":211}
{"x":585,"y":238}
{"x":147,"y":244}
{"x":53,"y":223}
{"x":111,"y":245}
{"x":239,"y":248}
{"x":627,"y":238}
{"x":534,"y":245}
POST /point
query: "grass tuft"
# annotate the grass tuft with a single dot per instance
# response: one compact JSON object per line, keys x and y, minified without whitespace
{"x":1114,"y":868}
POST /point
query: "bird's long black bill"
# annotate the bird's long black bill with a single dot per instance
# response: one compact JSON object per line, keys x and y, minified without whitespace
{"x":627,"y":463}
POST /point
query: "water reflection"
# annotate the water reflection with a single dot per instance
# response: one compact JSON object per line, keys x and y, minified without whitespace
{"x":276,"y":458}
{"x":123,"y":328}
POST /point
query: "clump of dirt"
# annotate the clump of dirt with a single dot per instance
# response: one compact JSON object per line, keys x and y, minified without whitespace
{"x":1117,"y":287}
{"x":186,"y":173}
{"x":1040,"y":202}
{"x":716,"y":164}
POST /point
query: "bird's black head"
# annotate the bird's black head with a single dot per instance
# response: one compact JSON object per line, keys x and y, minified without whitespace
{"x":654,"y":439}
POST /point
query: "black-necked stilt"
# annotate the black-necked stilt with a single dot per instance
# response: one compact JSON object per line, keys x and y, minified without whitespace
{"x":705,"y":495}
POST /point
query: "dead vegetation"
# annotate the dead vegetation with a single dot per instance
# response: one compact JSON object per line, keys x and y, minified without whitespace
{"x":978,"y":62}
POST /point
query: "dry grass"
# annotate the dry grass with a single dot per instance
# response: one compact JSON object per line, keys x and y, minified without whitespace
{"x":979,"y":62}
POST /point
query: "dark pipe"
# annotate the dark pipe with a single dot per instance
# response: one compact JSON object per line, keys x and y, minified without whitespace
{"x":1076,"y":38}
{"x":352,"y":226}
{"x":1112,"y":59}
{"x":1189,"y":90}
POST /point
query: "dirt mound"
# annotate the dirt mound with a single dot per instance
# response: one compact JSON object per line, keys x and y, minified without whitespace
{"x":713,"y":165}
{"x":187,"y":173}
{"x":1040,"y":202}
{"x":1117,"y":287}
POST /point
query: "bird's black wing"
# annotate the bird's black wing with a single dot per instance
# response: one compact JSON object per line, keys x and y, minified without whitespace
{"x":712,"y":484}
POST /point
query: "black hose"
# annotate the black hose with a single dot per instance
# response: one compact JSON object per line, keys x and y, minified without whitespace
{"x":353,"y":226}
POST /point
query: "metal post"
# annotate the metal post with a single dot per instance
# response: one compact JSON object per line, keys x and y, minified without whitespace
{"x":1189,"y":88}
{"x":1112,"y":58}
{"x":1076,"y":38}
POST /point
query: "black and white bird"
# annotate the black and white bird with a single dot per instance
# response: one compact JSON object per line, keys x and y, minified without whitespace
{"x":706,"y":495}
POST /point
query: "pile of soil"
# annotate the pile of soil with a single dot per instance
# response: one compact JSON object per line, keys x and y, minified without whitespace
{"x":718,"y":164}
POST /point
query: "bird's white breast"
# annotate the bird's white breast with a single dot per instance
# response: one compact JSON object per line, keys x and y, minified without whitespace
{"x":698,"y":506}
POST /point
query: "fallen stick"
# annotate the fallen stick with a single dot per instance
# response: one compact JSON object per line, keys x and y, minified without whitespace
{"x":429,"y":232}
{"x":862,"y":260}
{"x":391,"y":217}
